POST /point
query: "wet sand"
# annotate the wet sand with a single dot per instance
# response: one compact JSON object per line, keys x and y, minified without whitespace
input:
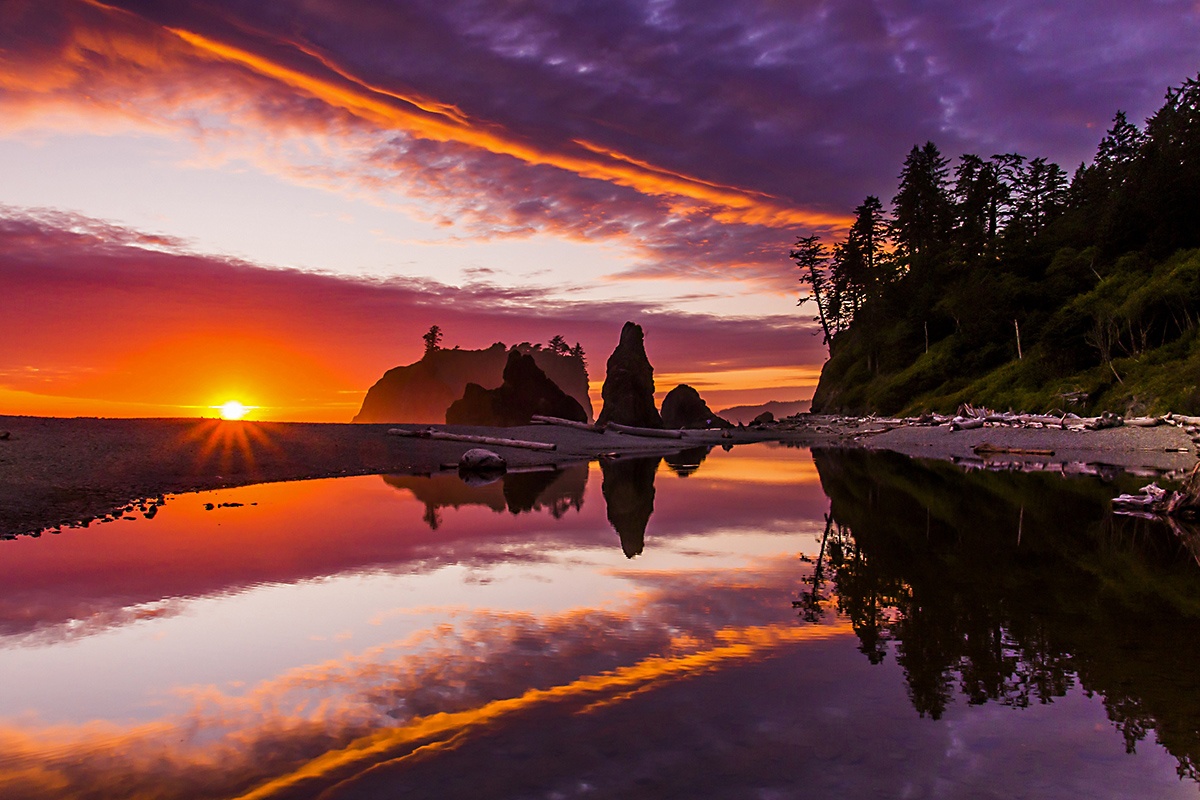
{"x":59,"y":472}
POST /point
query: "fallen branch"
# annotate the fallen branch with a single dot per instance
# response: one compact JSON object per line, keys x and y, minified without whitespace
{"x":567,"y":423}
{"x":652,"y":432}
{"x":966,"y":423}
{"x":429,"y":433}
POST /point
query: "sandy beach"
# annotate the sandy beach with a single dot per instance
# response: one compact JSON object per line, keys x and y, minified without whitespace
{"x":58,"y":472}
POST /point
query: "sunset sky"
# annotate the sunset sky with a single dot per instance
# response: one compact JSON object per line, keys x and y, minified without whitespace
{"x":205,"y":200}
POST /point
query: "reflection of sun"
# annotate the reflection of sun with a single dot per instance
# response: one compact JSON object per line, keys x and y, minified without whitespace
{"x":232,"y":410}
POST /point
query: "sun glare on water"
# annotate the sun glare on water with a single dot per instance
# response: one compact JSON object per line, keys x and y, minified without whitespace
{"x":233,"y":410}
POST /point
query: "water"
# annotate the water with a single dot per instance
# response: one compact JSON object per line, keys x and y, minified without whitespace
{"x":763,"y":622}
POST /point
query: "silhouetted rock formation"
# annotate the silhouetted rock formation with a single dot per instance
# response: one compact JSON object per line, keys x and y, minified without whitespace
{"x":683,"y":407}
{"x":526,"y":391}
{"x":628,"y":489}
{"x":685,"y":462}
{"x":628,"y":391}
{"x":765,"y":418}
{"x":421,"y":392}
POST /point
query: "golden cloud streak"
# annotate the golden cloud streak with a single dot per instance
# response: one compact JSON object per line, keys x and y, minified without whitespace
{"x":444,"y":123}
{"x":447,"y":730}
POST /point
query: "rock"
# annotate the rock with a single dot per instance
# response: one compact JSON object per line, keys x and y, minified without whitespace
{"x":478,"y":459}
{"x":526,"y":391}
{"x":684,"y":408}
{"x":422,"y":391}
{"x":628,"y":391}
{"x":765,"y":418}
{"x":4,"y":436}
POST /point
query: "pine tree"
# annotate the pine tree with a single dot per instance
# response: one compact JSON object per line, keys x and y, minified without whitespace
{"x":922,"y":209}
{"x":813,"y":260}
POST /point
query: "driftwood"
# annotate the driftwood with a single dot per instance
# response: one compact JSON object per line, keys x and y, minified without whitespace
{"x":495,"y":441}
{"x":986,"y":448}
{"x":966,"y":423}
{"x":656,"y":433}
{"x":567,"y":423}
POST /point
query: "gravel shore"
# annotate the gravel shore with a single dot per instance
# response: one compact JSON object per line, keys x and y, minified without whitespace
{"x":59,"y":472}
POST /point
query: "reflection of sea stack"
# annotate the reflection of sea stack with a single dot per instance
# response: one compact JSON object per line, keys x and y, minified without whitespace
{"x":685,"y":462}
{"x":556,"y":491}
{"x":525,"y":391}
{"x":628,"y":391}
{"x":683,"y":407}
{"x":628,"y":489}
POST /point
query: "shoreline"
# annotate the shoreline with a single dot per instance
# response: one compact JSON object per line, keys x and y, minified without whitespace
{"x":58,"y":472}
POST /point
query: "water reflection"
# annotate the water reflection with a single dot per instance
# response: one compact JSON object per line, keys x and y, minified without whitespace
{"x":328,"y":642}
{"x":629,"y":498}
{"x":685,"y":462}
{"x":556,"y":491}
{"x":1012,"y":589}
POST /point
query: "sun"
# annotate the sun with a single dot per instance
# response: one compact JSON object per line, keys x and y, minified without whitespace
{"x":233,"y":410}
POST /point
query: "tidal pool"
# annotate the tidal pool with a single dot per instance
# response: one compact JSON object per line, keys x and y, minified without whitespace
{"x":763,"y":622}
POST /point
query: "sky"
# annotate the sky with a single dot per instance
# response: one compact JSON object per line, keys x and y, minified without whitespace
{"x":206,"y":200}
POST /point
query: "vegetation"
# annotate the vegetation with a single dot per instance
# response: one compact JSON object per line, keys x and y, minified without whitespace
{"x":1001,"y":282}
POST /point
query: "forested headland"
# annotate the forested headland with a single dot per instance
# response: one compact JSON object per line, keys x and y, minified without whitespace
{"x":1002,"y":281}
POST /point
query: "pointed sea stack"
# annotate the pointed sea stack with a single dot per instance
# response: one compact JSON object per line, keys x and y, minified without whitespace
{"x":628,"y":391}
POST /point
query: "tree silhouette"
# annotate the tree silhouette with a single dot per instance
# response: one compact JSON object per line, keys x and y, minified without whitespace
{"x":433,"y":339}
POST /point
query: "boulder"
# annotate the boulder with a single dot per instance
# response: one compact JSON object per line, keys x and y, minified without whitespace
{"x":684,"y":408}
{"x":628,"y":391}
{"x":480,"y":459}
{"x":525,"y":391}
{"x":765,"y":418}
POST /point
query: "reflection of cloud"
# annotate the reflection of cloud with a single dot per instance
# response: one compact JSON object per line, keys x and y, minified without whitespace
{"x":333,"y":721}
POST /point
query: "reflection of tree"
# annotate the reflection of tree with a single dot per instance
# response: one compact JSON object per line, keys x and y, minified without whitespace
{"x":1013,"y":588}
{"x":629,"y":493}
{"x":556,"y":491}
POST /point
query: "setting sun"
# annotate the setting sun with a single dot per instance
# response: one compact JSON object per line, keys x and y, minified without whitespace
{"x":233,"y":410}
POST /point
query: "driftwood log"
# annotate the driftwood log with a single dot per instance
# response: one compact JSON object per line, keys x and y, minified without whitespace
{"x":568,"y":423}
{"x":495,"y":441}
{"x":656,"y":433}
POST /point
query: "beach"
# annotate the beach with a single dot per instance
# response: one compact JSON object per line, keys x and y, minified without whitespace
{"x":58,"y":472}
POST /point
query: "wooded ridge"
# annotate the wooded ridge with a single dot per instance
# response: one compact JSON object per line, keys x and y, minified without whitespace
{"x":1001,"y":282}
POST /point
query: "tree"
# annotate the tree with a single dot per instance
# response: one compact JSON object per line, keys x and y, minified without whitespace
{"x":433,"y":339}
{"x":922,"y":212}
{"x":559,"y":346}
{"x":813,"y":260}
{"x":978,"y":196}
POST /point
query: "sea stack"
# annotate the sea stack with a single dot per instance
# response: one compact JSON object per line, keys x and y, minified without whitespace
{"x":683,"y":407}
{"x":628,"y":392}
{"x":525,"y":391}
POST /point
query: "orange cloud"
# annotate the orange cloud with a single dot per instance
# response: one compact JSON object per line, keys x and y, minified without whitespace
{"x":440,"y":123}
